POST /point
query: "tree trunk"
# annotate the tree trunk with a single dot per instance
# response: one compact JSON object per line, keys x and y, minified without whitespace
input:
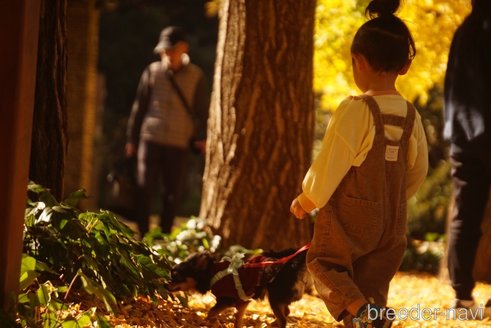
{"x":19,"y":34}
{"x":49,"y":122}
{"x":260,"y":129}
{"x":80,"y":168}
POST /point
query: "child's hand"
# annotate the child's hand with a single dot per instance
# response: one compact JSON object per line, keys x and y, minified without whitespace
{"x":297,"y":209}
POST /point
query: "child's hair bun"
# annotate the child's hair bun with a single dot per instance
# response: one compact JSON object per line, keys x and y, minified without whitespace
{"x":378,"y":8}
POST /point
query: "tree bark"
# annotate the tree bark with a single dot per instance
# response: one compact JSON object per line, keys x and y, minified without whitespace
{"x":19,"y":34}
{"x":82,"y":34}
{"x":260,"y":130}
{"x":49,"y":122}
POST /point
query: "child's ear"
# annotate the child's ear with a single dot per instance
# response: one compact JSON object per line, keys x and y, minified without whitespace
{"x":359,"y":61}
{"x":405,"y":68}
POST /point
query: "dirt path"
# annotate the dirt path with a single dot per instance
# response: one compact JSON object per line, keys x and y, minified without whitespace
{"x":422,"y":297}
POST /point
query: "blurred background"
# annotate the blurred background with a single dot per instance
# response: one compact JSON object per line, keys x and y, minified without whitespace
{"x":128,"y":33}
{"x":111,"y":41}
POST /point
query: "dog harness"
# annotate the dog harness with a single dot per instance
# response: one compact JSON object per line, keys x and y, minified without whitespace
{"x":237,"y":279}
{"x":235,"y":264}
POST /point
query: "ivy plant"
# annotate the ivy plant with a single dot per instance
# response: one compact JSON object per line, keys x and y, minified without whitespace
{"x":69,"y":253}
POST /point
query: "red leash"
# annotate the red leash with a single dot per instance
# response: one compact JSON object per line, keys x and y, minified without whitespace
{"x":279,"y":261}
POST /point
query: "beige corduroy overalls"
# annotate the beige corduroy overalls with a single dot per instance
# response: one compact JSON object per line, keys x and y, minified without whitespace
{"x":360,"y":235}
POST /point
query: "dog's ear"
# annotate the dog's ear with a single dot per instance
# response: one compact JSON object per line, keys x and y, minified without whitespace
{"x":203,"y":260}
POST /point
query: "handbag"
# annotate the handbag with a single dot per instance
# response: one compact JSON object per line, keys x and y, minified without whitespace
{"x":122,"y":189}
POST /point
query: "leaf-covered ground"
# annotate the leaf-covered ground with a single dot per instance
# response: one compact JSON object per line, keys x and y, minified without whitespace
{"x":415,"y":296}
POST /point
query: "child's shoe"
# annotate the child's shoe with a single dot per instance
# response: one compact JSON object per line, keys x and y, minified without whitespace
{"x":372,"y":316}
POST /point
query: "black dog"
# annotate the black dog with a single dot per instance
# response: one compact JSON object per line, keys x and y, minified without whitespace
{"x":281,"y":275}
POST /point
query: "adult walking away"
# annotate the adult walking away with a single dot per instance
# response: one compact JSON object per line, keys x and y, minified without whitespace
{"x":467,"y":127}
{"x":373,"y":158}
{"x":168,"y":118}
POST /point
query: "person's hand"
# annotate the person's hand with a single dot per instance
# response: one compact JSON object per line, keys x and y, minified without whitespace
{"x":130,"y":150}
{"x":297,"y":209}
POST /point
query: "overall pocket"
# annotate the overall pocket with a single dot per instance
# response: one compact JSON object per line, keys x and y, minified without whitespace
{"x":362,"y":222}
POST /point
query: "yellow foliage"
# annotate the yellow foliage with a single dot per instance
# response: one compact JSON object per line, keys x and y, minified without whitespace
{"x":420,"y":300}
{"x":212,"y":7}
{"x":432,"y":23}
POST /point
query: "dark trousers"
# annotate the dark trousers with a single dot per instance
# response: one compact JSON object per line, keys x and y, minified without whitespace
{"x":471,"y":179}
{"x":161,"y":171}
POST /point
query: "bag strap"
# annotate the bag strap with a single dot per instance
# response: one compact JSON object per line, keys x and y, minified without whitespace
{"x":170,"y":75}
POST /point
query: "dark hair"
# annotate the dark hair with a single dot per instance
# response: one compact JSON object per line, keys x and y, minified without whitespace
{"x":384,"y":40}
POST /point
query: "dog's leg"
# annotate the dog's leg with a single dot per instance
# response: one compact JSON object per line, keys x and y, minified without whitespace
{"x":281,"y":312}
{"x":241,"y":308}
{"x":218,"y":308}
{"x":286,"y":310}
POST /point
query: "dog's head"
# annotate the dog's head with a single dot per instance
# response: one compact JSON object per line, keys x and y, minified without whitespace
{"x":192,"y":274}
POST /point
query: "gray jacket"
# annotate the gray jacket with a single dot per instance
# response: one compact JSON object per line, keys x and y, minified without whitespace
{"x":159,"y":115}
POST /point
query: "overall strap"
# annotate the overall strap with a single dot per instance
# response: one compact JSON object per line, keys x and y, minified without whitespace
{"x":395,"y":120}
{"x":408,"y":127}
{"x":376,"y":114}
{"x":406,"y":123}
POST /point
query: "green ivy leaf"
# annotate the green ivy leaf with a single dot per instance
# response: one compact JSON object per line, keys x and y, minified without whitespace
{"x":27,"y":278}
{"x":94,"y":288}
{"x":48,"y":199}
{"x":43,"y":267}
{"x":70,"y":323}
{"x":74,"y":229}
{"x":151,"y":266}
{"x":102,"y":322}
{"x":44,"y":295}
{"x":45,"y":216}
{"x":74,"y":198}
{"x":85,"y":320}
{"x":28,"y":263}
{"x":26,"y":298}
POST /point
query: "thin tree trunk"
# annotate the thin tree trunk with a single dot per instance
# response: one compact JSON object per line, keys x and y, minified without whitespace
{"x":49,"y":123}
{"x":261,"y":122}
{"x":19,"y":34}
{"x":82,"y":23}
